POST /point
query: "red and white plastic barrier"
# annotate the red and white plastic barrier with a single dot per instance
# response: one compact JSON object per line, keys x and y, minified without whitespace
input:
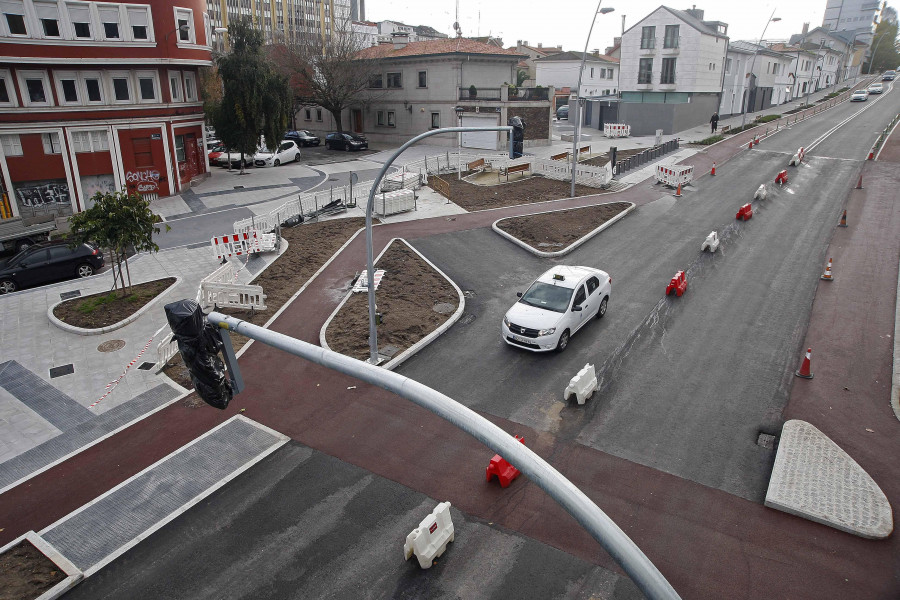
{"x":236,"y":244}
{"x":582,"y":386}
{"x":429,"y":540}
{"x":362,"y":283}
{"x":674,"y":175}
{"x":798,"y":157}
{"x":616,"y":130}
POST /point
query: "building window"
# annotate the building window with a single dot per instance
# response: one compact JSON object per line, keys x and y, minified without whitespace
{"x":51,"y":143}
{"x":394,"y":81}
{"x":12,"y":145}
{"x":728,"y":65}
{"x":69,"y":90}
{"x":36,"y":88}
{"x":379,"y":116}
{"x":90,"y":141}
{"x":308,"y":114}
{"x":109,"y":17}
{"x":376,"y":82}
{"x":208,"y":29}
{"x":179,"y":148}
{"x":121,"y":89}
{"x":319,"y":115}
{"x":648,"y":38}
{"x":592,"y":72}
{"x":139,"y":20}
{"x":423,"y":79}
{"x":93,"y":89}
{"x":435,"y":120}
{"x":80,"y":15}
{"x":5,"y":87}
{"x":48,"y":15}
{"x":645,"y":70}
{"x":668,"y":71}
{"x":14,"y":15}
{"x":190,"y":87}
{"x":671,"y":39}
{"x":175,"y":85}
{"x":390,"y":119}
{"x":147,"y":86}
{"x":184,"y":18}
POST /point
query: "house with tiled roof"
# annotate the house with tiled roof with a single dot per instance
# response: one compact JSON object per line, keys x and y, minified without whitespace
{"x":754,"y":84}
{"x":533,"y":53}
{"x":445,"y":83}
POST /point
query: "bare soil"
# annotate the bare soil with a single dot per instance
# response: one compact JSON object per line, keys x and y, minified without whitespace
{"x":309,"y":246}
{"x":25,"y":573}
{"x":406,"y":298}
{"x":603,"y":159}
{"x":525,"y":191}
{"x":108,"y":308}
{"x":555,"y":231}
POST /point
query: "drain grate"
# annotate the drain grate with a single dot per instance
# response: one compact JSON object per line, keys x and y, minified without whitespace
{"x":69,"y":295}
{"x":467,"y":319}
{"x":469,"y":293}
{"x":766,"y":440}
{"x":63,"y":370}
{"x":146,"y":366}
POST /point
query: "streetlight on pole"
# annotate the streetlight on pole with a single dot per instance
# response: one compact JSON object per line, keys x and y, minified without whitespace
{"x":603,"y":11}
{"x":772,"y":19}
{"x":871,"y":60}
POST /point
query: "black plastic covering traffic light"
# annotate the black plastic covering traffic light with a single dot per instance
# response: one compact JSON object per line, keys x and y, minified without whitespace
{"x":200,"y":344}
{"x":518,"y":125}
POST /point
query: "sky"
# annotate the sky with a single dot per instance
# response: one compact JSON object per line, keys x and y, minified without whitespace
{"x":569,"y":23}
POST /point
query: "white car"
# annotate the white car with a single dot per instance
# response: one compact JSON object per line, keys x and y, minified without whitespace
{"x":287,"y":151}
{"x":859,"y":96}
{"x":556,"y":305}
{"x":233,"y":160}
{"x":876,"y":88}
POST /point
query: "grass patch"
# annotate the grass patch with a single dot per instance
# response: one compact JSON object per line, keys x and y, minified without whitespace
{"x":710,"y":140}
{"x":768,"y":118}
{"x":93,"y":303}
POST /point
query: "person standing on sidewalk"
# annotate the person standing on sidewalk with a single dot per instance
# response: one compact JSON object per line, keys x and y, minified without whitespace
{"x":714,"y":122}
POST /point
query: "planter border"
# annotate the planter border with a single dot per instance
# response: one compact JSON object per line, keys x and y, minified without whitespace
{"x":126,"y":321}
{"x":571,"y":247}
{"x":412,"y":350}
{"x":73,"y":574}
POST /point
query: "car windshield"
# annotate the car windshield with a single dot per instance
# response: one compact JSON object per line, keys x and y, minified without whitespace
{"x":549,"y":297}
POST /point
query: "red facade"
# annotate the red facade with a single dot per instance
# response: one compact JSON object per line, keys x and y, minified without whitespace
{"x":99,"y":96}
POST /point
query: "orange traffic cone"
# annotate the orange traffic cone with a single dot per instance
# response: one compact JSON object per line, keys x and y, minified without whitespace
{"x":804,"y":368}
{"x":678,"y":191}
{"x":843,"y":222}
{"x":827,"y":276}
{"x":713,"y":169}
{"x":750,"y":147}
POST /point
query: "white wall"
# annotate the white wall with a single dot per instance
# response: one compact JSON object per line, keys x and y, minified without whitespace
{"x":564,"y":73}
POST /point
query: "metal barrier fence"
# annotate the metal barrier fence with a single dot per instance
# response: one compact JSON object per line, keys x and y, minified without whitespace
{"x":648,"y":155}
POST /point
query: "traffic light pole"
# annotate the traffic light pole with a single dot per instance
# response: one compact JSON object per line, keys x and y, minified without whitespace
{"x":603,"y":529}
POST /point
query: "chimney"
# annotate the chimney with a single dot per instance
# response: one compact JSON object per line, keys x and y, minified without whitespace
{"x":695,"y":12}
{"x":518,"y":42}
{"x":596,"y":52}
{"x":400,"y":39}
{"x":540,"y":45}
{"x":617,"y":41}
{"x":805,"y":29}
{"x":525,"y":43}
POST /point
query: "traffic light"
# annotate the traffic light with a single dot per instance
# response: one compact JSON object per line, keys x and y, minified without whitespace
{"x":200,"y":344}
{"x":518,"y":125}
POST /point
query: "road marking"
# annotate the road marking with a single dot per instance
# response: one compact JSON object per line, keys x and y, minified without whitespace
{"x":825,"y":135}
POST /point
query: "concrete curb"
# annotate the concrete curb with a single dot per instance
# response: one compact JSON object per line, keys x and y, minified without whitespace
{"x":114,"y":326}
{"x":73,"y":573}
{"x":412,"y":350}
{"x":572,"y":246}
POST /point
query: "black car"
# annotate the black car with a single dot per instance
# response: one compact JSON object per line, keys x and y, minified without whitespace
{"x":562,"y":112}
{"x":346,"y":141}
{"x":302,"y":137}
{"x":49,"y":261}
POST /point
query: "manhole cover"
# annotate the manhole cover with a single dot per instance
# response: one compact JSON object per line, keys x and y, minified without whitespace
{"x":444,"y":308}
{"x":467,"y":319}
{"x":111,"y":346}
{"x":469,"y":293}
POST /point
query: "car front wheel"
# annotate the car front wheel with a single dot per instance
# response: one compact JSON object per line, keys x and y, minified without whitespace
{"x":563,"y":341}
{"x":7,"y":286}
{"x":277,"y":162}
{"x":84,"y":270}
{"x":347,"y":148}
{"x":297,"y":157}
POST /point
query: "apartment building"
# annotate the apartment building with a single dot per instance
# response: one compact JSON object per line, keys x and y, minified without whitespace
{"x":283,"y":20}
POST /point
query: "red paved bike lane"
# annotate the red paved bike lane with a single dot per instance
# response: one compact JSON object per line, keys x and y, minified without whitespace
{"x":708,"y":543}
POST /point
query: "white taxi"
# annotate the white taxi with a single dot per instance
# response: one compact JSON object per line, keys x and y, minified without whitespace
{"x":556,"y":305}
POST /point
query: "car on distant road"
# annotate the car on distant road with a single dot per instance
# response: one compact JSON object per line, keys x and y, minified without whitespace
{"x":876,"y":88}
{"x":346,"y":141}
{"x":555,"y":306}
{"x":888,"y":75}
{"x":562,"y":112}
{"x":48,"y":261}
{"x":302,"y":137}
{"x":859,"y":96}
{"x":287,"y":151}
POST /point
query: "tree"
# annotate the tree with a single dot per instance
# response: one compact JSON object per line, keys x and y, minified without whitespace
{"x":120,"y":222}
{"x":521,"y":76}
{"x":255,"y":99}
{"x":326,"y":71}
{"x":884,"y":46}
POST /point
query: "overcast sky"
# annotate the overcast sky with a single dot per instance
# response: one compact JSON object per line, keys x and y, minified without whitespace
{"x":567,"y":23}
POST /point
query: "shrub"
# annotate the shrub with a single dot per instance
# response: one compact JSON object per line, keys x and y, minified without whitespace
{"x":734,"y":130}
{"x":710,"y":140}
{"x":768,"y":118}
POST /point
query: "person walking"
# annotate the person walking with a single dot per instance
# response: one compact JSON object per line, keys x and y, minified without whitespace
{"x":714,"y":122}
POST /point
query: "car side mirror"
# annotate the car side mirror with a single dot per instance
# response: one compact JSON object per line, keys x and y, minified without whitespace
{"x":519,"y":294}
{"x":576,"y":308}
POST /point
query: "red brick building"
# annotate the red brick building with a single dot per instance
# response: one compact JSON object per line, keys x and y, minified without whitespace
{"x":96,"y":96}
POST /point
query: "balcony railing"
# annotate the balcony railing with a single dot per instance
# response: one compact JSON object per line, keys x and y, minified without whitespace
{"x":470,"y":93}
{"x":529,"y":94}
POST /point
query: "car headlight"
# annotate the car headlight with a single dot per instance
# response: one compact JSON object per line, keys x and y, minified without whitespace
{"x":506,"y":321}
{"x":544,"y":332}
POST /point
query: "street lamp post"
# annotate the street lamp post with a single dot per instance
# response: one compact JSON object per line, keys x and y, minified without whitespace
{"x":603,"y":11}
{"x":871,"y":60}
{"x":772,"y":19}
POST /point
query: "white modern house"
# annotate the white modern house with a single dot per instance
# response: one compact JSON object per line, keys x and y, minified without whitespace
{"x":671,"y":69}
{"x":756,"y":78}
{"x":600,"y":77}
{"x":800,"y":70}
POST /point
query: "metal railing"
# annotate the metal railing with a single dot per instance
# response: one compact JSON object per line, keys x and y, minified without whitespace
{"x":469,"y":93}
{"x":529,"y":94}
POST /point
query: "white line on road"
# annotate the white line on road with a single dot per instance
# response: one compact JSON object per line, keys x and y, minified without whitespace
{"x":825,"y":135}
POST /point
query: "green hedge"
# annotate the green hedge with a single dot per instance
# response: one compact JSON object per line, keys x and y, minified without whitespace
{"x":734,"y":130}
{"x":710,"y":140}
{"x":768,"y":118}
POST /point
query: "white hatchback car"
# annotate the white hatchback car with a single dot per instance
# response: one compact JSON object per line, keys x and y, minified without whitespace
{"x":288,"y":151}
{"x":556,"y":305}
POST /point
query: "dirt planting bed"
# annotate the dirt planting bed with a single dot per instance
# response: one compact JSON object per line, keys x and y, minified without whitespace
{"x":100,"y":310}
{"x":412,"y":298}
{"x":526,"y":191}
{"x":555,"y":231}
{"x":25,"y":573}
{"x":309,"y":246}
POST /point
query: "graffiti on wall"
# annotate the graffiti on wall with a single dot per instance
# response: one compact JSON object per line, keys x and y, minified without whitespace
{"x":145,"y":180}
{"x":36,"y":194}
{"x":96,"y":184}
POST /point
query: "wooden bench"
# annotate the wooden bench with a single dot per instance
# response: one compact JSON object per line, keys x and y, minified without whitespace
{"x":480,"y":164}
{"x":513,"y":169}
{"x":584,"y":149}
{"x":560,"y":156}
{"x":725,"y":129}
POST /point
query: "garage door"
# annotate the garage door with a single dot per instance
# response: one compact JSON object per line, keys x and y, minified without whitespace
{"x":486,"y":140}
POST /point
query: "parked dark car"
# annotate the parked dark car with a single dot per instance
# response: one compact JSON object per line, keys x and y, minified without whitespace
{"x":48,"y":261}
{"x":302,"y":137}
{"x":346,"y":141}
{"x":562,"y":112}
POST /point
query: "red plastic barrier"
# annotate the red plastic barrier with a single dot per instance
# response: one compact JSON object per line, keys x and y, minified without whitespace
{"x":504,"y":471}
{"x":782,"y":177}
{"x":678,"y":284}
{"x":745,"y":212}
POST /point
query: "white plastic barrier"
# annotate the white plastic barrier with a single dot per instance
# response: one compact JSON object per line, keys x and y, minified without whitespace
{"x":597,"y":177}
{"x":362,"y":282}
{"x":165,"y":351}
{"x":673,"y":175}
{"x":760,"y":193}
{"x":391,"y":203}
{"x":429,"y":540}
{"x":798,"y":157}
{"x":711,"y":243}
{"x":582,"y":385}
{"x":400,"y":181}
{"x":232,"y":295}
{"x":236,"y":244}
{"x":614,"y":130}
